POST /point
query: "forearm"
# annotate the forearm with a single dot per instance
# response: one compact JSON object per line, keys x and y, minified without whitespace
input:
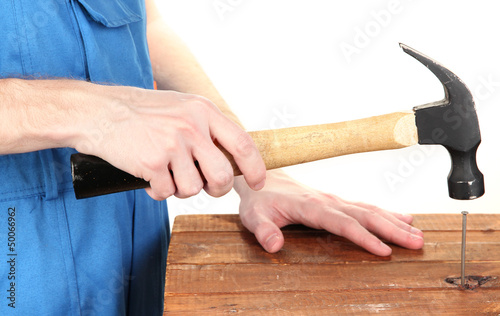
{"x":37,"y":114}
{"x":42,"y":114}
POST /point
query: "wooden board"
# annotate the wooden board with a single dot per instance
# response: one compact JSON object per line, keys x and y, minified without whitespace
{"x":216,"y":267}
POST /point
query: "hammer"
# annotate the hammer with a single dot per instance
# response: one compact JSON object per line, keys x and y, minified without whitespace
{"x":451,"y":122}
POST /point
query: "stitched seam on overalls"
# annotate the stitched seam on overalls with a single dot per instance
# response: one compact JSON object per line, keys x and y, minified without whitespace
{"x":65,"y":238}
{"x":78,"y":35}
{"x":47,"y":175}
{"x":32,"y":192}
{"x":25,"y":39}
{"x":18,"y":36}
{"x":20,"y":197}
{"x":38,"y":188}
{"x":81,"y":35}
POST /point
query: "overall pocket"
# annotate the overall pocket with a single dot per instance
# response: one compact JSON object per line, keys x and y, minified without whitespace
{"x":115,"y":41}
{"x":113,"y":13}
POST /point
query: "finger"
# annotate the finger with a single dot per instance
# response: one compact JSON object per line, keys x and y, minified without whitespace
{"x":215,"y":167}
{"x":241,"y":146}
{"x":348,"y":227}
{"x":404,"y":224}
{"x":186,"y":177}
{"x":267,"y":233}
{"x":384,"y":228}
{"x":407,"y":218}
{"x":161,"y":186}
{"x":403,"y":221}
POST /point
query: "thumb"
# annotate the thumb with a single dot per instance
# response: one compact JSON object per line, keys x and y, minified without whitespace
{"x":267,"y":233}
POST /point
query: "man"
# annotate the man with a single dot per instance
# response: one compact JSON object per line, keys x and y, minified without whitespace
{"x":77,"y":76}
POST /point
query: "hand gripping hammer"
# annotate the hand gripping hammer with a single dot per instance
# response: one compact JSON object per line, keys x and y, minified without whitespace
{"x":451,"y":122}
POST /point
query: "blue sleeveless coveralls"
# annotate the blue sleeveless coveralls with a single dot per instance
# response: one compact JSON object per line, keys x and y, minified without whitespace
{"x":59,"y":255}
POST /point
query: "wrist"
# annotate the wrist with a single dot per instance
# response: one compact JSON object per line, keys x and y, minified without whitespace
{"x":98,"y":109}
{"x":66,"y":110}
{"x":85,"y":127}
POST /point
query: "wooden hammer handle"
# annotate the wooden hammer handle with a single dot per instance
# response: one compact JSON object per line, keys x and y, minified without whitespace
{"x":279,"y":148}
{"x":296,"y":145}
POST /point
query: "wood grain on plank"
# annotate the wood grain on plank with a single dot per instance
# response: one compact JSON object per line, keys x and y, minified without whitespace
{"x":426,"y":222}
{"x":324,"y":248}
{"x":210,"y":223}
{"x":357,"y":302}
{"x":447,"y":222}
{"x":205,"y":279}
{"x":216,"y":266}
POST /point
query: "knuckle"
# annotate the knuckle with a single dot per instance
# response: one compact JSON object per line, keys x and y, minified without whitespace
{"x":161,"y":194}
{"x":367,"y":217}
{"x":363,"y":216}
{"x":366,"y":213}
{"x":222,"y":179}
{"x":162,"y":188}
{"x":184,"y":127}
{"x":312,"y":199}
{"x":348,"y":227}
{"x":215,"y":193}
{"x":332,"y":199}
{"x":165,"y":193}
{"x":156,"y":163}
{"x":154,"y":196}
{"x":372,"y":208}
{"x":244,"y":145}
{"x":218,"y":190}
{"x":201,"y":103}
{"x":349,"y":208}
{"x":186,"y":192}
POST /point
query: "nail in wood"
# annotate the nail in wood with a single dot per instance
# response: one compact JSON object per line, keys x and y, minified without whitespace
{"x":464,"y":228}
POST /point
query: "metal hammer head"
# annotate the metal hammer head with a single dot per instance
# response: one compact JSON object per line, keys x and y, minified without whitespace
{"x":452,"y":122}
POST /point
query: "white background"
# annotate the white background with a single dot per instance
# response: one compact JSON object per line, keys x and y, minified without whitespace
{"x":281,"y":63}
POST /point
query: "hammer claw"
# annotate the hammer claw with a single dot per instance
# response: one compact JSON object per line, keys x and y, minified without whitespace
{"x":452,"y":122}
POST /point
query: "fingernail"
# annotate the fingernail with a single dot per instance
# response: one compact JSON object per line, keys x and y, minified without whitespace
{"x":416,"y":231}
{"x":408,"y":216}
{"x":415,"y":237}
{"x":271,"y":242}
